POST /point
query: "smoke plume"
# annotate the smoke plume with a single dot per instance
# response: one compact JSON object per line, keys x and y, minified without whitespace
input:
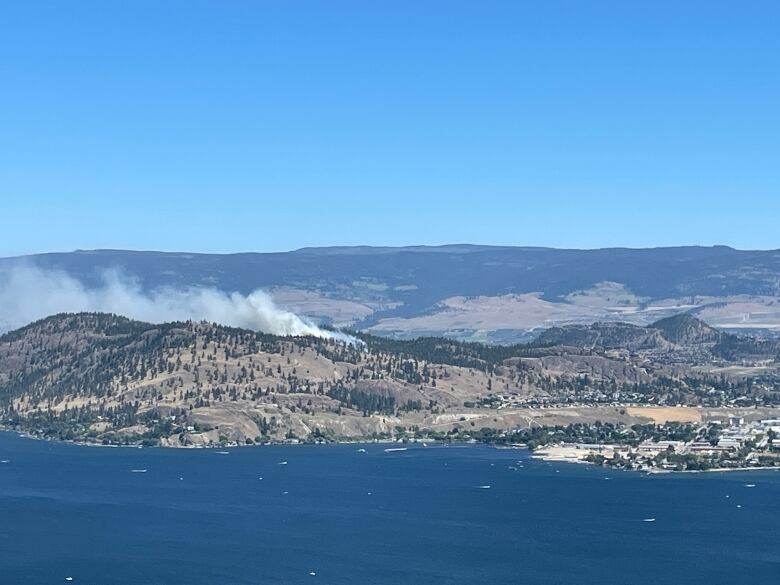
{"x":28,"y":293}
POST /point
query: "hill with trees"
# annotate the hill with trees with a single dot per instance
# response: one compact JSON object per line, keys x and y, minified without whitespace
{"x":108,"y":379}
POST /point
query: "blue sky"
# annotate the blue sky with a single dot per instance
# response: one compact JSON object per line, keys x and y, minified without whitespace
{"x":260,"y":126}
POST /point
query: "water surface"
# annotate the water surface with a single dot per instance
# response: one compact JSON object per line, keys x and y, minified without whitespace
{"x":414,"y":517}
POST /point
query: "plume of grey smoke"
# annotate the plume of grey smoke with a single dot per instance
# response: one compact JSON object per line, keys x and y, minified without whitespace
{"x":28,"y":293}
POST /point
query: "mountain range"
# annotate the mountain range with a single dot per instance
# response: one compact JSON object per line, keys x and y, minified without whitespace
{"x":467,"y":292}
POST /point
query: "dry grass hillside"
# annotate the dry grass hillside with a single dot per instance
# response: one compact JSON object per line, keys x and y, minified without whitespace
{"x":107,"y":379}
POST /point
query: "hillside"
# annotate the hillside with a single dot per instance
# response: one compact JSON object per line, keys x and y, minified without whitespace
{"x":685,"y":329}
{"x":105,"y":378}
{"x":605,"y":335}
{"x":680,"y":337}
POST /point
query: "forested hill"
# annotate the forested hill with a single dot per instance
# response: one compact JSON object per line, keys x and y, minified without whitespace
{"x":677,"y":335}
{"x":105,"y":378}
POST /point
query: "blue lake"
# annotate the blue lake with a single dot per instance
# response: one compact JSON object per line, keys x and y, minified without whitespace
{"x":420,"y":516}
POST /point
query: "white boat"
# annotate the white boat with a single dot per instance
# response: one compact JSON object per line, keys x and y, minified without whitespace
{"x":648,"y":520}
{"x":750,"y":485}
{"x":361,"y":450}
{"x":282,"y":463}
{"x":394,"y":449}
{"x":138,"y":471}
{"x":483,"y":487}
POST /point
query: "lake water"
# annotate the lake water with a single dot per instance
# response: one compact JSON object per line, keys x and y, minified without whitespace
{"x":420,"y":516}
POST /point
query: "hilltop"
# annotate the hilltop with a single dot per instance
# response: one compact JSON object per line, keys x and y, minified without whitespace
{"x":685,"y":329}
{"x":672,"y":338}
{"x":107,"y":379}
{"x":678,"y":330}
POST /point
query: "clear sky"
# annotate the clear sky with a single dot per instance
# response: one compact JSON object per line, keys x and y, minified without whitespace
{"x":260,"y":126}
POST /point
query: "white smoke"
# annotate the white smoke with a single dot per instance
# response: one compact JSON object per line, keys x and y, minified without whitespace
{"x":28,"y":293}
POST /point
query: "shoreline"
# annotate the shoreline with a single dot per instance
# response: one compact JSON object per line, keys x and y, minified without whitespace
{"x":575,"y":455}
{"x":534,"y":453}
{"x":425,"y":442}
{"x":713,"y":470}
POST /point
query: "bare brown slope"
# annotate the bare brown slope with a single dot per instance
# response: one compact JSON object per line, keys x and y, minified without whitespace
{"x":104,"y":378}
